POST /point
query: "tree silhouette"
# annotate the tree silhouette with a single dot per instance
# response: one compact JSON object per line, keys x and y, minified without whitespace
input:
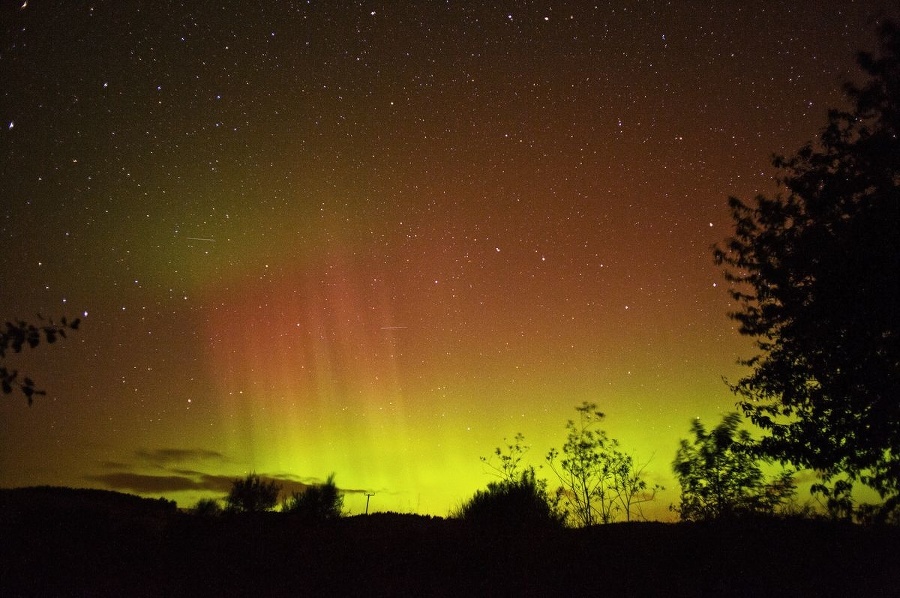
{"x":252,"y":495}
{"x":816,"y":274}
{"x":319,"y":502}
{"x":721,"y":477}
{"x":20,"y":334}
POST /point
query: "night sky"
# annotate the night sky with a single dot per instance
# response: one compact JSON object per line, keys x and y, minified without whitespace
{"x":377,"y":238}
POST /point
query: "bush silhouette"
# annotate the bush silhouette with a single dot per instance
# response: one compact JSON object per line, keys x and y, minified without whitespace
{"x":512,"y":504}
{"x":207,"y":507}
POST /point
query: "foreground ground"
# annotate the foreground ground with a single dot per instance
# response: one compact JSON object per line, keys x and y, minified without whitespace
{"x":61,"y":542}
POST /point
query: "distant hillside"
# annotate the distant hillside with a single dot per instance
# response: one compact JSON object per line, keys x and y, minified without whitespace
{"x":66,"y":499}
{"x":59,"y":496}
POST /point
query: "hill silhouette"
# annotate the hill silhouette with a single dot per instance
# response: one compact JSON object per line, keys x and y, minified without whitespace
{"x":65,"y":542}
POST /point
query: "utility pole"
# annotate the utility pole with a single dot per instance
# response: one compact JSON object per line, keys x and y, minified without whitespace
{"x":368,"y":496}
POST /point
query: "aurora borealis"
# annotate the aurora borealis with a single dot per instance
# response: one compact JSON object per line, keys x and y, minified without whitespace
{"x":379,"y":238}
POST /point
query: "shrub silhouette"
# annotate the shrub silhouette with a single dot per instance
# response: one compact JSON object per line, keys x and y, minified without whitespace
{"x":512,"y":504}
{"x":252,"y":495}
{"x":319,"y":503}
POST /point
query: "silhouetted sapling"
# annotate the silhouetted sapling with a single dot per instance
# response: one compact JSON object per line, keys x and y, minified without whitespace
{"x":721,"y":477}
{"x":597,"y":480}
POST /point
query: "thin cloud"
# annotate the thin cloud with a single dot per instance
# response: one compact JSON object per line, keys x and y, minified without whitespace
{"x":114,"y":465}
{"x":176,"y":455}
{"x":186,"y":472}
{"x":354,"y":491}
{"x":174,"y":477}
{"x":162,"y":484}
{"x":146,"y":484}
